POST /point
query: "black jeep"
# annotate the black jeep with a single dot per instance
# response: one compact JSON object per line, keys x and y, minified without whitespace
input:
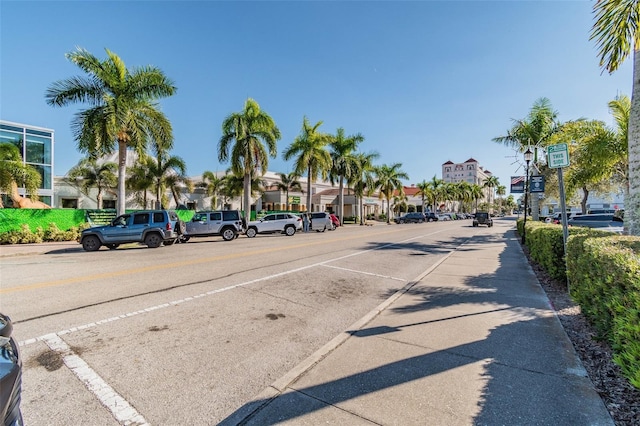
{"x":483,"y":218}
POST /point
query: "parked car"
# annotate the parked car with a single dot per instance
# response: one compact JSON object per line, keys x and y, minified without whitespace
{"x":334,"y":220}
{"x":603,"y":221}
{"x":285,"y":223}
{"x":321,"y":221}
{"x":10,"y":375}
{"x":411,"y":218}
{"x":150,"y":227}
{"x":431,"y":217}
{"x":225,"y":223}
{"x":483,"y":218}
{"x":444,"y":217}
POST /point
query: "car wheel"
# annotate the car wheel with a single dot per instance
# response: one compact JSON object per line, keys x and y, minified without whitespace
{"x":184,"y":238}
{"x":153,"y":240}
{"x":251,"y":232}
{"x":228,"y":234}
{"x":112,"y":246}
{"x":91,"y":243}
{"x":169,"y":242}
{"x":180,"y":227}
{"x":290,"y":230}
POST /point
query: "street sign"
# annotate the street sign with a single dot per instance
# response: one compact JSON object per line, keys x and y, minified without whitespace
{"x":558,"y":155}
{"x":536,"y":183}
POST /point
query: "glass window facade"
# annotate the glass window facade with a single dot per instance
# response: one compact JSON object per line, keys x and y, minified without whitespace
{"x":36,"y":148}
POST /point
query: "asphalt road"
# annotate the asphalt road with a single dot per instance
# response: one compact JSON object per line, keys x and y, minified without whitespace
{"x":187,"y":334}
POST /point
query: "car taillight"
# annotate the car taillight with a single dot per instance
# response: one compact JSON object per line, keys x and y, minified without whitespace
{"x":169,"y":228}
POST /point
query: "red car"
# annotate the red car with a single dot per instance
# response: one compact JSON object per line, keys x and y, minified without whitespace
{"x":335,"y":220}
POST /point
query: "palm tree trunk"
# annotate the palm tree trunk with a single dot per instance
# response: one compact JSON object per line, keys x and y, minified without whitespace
{"x":122,"y":172}
{"x":388,"y":210}
{"x":632,"y":201}
{"x":99,"y":198}
{"x":247,"y":192}
{"x":341,"y":200}
{"x":309,"y":189}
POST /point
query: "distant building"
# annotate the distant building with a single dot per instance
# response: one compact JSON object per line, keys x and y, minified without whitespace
{"x":36,"y":147}
{"x":469,"y":171}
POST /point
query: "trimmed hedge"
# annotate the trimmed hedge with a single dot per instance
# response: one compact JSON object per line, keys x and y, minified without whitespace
{"x":603,"y":272}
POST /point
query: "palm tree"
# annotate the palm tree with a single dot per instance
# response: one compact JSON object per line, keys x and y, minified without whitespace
{"x":289,"y":182}
{"x":168,"y":172}
{"x":123,"y":111}
{"x":477,"y":192}
{"x":362,"y":180}
{"x":388,"y":181}
{"x":310,"y":147}
{"x":491,"y":182}
{"x":437,"y":186}
{"x":88,"y":173}
{"x":501,"y":190}
{"x":616,"y":33}
{"x":424,"y":191}
{"x":233,"y":186}
{"x":13,"y":172}
{"x":533,"y":131}
{"x":212,"y":185}
{"x":343,"y":162}
{"x":140,"y":181}
{"x":251,"y":129}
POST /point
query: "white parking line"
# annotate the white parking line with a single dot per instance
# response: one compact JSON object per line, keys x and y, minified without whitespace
{"x":365,"y":273}
{"x":117,"y":405}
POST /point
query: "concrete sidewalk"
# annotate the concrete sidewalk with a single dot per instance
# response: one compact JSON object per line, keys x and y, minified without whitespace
{"x":473,"y":341}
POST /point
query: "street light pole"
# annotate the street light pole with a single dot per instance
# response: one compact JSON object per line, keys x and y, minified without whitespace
{"x":527,"y":159}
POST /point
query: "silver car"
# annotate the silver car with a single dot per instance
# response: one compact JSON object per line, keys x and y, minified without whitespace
{"x":321,"y":221}
{"x":225,"y":223}
{"x":605,"y":222}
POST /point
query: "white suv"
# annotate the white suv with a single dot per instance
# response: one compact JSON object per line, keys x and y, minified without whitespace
{"x":285,"y":223}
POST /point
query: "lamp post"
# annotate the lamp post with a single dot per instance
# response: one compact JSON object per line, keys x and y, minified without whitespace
{"x":528,"y":156}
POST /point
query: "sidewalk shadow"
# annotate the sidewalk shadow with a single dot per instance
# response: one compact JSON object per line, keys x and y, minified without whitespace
{"x":531,"y":374}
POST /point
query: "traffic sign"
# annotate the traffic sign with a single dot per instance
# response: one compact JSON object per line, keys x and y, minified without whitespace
{"x":558,"y":155}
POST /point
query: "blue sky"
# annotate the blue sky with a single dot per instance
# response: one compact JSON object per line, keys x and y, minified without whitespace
{"x":423,"y":81}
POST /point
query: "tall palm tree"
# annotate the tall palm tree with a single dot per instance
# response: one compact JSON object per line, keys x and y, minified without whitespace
{"x":616,"y":33}
{"x":477,"y":192}
{"x":88,"y":173}
{"x":501,"y":190}
{"x":212,"y":185}
{"x":437,"y":186}
{"x":363,"y":180}
{"x":491,"y":182}
{"x":123,"y":111}
{"x":424,"y":191}
{"x":289,"y":182}
{"x":344,"y":163}
{"x":13,"y":171}
{"x":534,"y":131}
{"x":312,"y":157}
{"x":139,"y":180}
{"x":251,"y":129}
{"x":388,"y":181}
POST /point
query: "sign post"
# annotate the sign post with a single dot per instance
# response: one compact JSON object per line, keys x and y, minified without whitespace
{"x":558,"y":157}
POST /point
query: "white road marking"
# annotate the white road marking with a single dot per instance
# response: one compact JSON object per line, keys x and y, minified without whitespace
{"x":117,"y":405}
{"x":365,"y":273}
{"x":107,"y":396}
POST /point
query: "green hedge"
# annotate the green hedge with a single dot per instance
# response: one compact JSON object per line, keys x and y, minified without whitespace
{"x":603,"y":271}
{"x":604,"y":274}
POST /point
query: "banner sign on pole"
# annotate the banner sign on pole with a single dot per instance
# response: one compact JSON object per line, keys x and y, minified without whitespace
{"x":517,"y":184}
{"x":536,"y":184}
